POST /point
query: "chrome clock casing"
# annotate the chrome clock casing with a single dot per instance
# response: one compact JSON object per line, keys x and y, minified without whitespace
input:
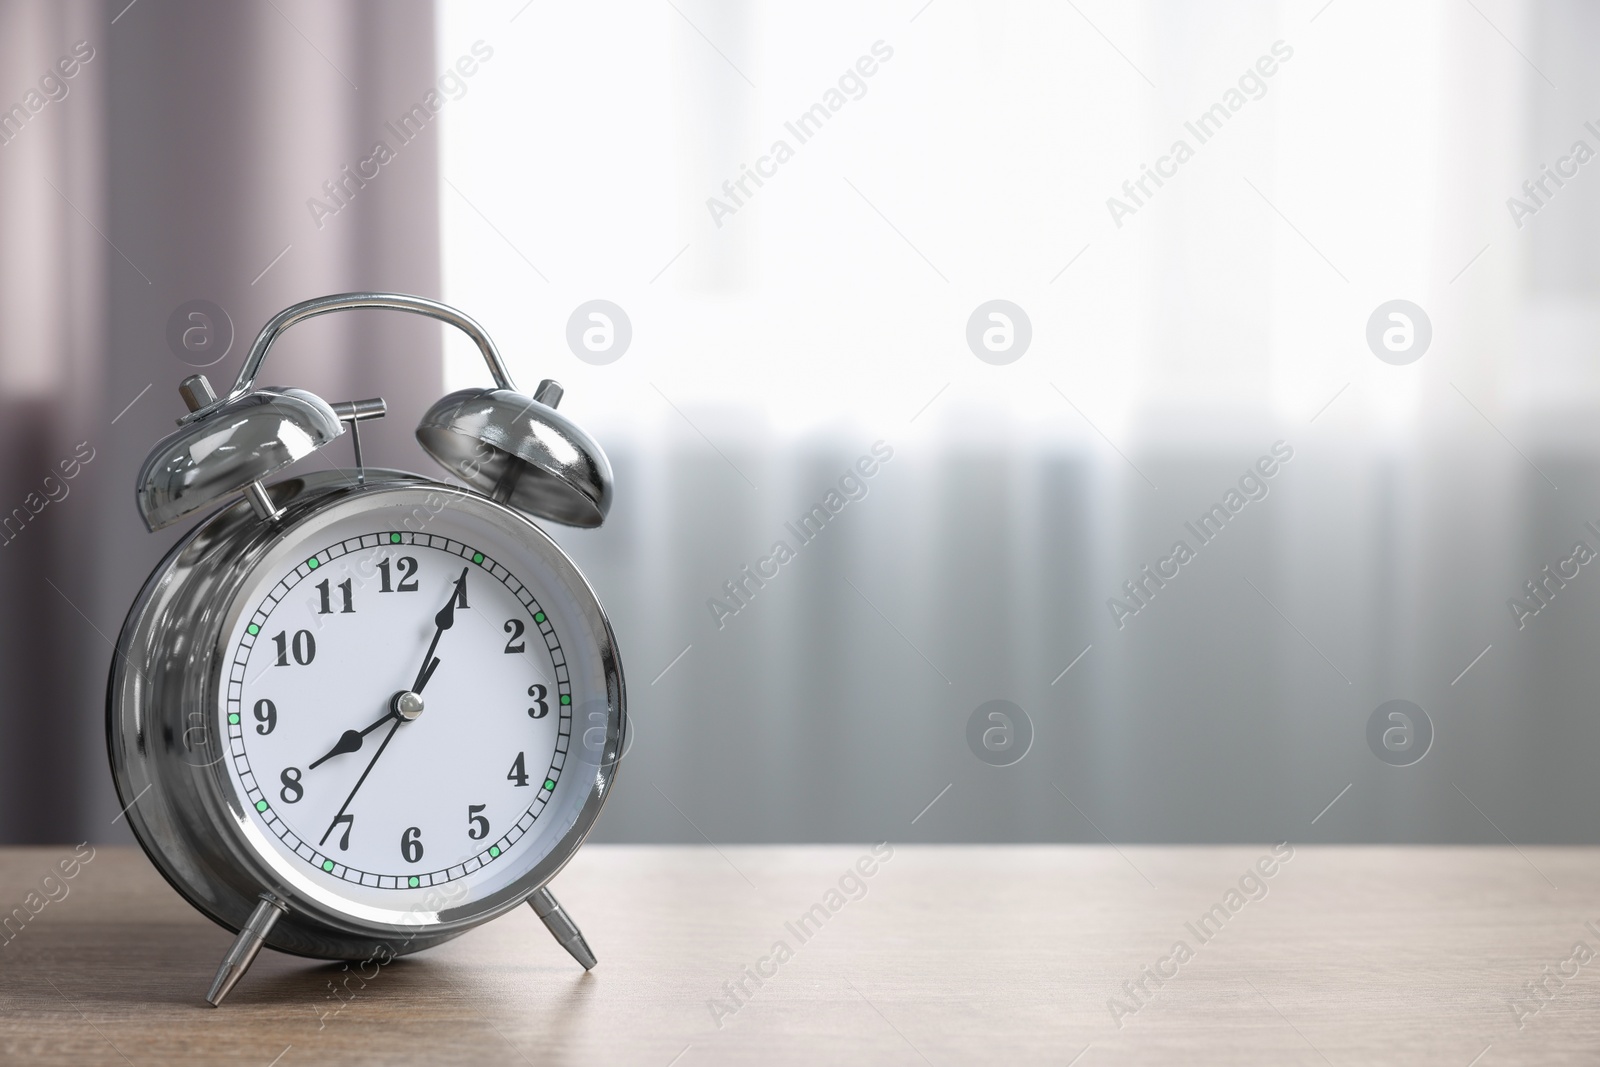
{"x":247,"y":439}
{"x":167,"y":743}
{"x":521,"y":452}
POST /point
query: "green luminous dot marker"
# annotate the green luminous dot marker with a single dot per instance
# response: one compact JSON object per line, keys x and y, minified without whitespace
{"x":565,"y":699}
{"x":394,"y":539}
{"x":312,"y":563}
{"x":261,"y":805}
{"x":538,"y":616}
{"x":233,"y":720}
{"x":548,"y":784}
{"x":327,"y":865}
{"x":477,"y":557}
{"x":413,"y":881}
{"x":494,"y":850}
{"x":253,"y":629}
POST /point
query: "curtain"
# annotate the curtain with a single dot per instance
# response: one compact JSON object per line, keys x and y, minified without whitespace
{"x":772,"y":347}
{"x":182,"y":163}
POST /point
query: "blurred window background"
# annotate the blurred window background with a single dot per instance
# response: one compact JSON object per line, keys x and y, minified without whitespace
{"x":1172,"y":345}
{"x":1186,"y":315}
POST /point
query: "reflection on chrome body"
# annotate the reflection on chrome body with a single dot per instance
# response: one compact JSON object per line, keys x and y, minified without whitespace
{"x":522,"y":457}
{"x":187,"y":815}
{"x":240,"y":442}
{"x":522,"y":452}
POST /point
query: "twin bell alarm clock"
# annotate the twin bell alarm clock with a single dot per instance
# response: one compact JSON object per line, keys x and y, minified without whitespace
{"x":355,"y":713}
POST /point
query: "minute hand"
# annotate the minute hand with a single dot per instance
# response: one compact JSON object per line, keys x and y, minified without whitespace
{"x":360,"y":781}
{"x":445,"y":619}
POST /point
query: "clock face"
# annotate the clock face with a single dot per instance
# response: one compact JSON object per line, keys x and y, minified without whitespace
{"x":414,"y":705}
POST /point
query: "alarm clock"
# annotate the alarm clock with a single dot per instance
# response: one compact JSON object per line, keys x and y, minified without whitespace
{"x":354,"y":713}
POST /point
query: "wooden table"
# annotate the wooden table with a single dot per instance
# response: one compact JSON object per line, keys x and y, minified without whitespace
{"x":945,"y":955}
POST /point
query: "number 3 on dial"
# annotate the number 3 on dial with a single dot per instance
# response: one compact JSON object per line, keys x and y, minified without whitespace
{"x":540,"y":709}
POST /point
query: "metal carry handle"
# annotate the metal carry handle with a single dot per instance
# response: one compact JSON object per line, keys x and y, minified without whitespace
{"x":324,"y":305}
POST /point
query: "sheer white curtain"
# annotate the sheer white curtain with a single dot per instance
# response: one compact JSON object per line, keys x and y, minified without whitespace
{"x":1368,"y":159}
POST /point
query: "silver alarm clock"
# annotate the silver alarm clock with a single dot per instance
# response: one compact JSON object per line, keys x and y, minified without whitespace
{"x":355,"y":714}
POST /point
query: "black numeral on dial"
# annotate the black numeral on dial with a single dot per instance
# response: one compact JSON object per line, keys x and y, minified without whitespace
{"x":518,"y":772}
{"x":345,"y":587}
{"x":304,"y":645}
{"x":292,"y":790}
{"x":267,"y":716}
{"x":540,"y":709}
{"x":515,"y":643}
{"x":344,"y":838}
{"x":477,"y":825}
{"x":408,"y":583}
{"x":411,"y":844}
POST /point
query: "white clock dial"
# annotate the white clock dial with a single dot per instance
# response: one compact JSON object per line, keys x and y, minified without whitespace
{"x":400,"y":708}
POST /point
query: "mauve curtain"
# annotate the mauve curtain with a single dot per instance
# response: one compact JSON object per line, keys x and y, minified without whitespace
{"x":177,"y":166}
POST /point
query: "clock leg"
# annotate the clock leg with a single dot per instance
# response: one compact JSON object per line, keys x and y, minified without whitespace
{"x":562,"y":927}
{"x":244,"y":949}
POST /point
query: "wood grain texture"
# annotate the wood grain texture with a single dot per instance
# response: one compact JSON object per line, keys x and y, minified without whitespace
{"x":953,"y":955}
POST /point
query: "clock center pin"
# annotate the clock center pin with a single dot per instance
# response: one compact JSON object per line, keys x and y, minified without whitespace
{"x":406,"y":705}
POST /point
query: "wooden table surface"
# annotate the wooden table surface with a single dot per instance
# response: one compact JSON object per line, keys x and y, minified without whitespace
{"x":944,"y":955}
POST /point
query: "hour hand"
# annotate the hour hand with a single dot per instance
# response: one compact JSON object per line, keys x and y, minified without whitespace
{"x":404,"y":705}
{"x":349,"y":741}
{"x":445,"y":619}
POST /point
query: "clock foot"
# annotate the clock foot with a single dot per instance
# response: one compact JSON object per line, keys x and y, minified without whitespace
{"x":562,"y":927}
{"x":244,"y":949}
